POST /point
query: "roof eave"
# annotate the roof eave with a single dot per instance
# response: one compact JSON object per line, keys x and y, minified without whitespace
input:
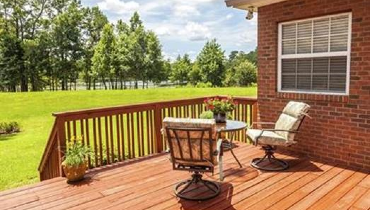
{"x":248,"y":4}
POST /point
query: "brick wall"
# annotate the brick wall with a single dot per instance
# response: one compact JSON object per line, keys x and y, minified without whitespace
{"x":339,"y":130}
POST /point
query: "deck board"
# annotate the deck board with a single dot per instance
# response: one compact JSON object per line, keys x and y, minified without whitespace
{"x":148,"y":183}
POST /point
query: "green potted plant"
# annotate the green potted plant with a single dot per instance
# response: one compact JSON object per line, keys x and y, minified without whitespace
{"x":75,"y":160}
{"x":220,"y":107}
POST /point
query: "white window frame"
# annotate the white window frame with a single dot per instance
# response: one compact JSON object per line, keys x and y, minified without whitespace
{"x":315,"y":55}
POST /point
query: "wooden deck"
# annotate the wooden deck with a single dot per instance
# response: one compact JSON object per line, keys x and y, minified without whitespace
{"x":148,"y":184}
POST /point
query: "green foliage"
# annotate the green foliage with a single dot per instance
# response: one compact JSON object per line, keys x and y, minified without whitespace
{"x":244,"y":74}
{"x":93,"y":25}
{"x":67,"y":45}
{"x":102,"y":60}
{"x":211,"y":63}
{"x":241,"y":69}
{"x":203,"y":85}
{"x":206,"y":115}
{"x":180,"y":69}
{"x":195,"y":76}
{"x":76,"y":153}
{"x":9,"y":127}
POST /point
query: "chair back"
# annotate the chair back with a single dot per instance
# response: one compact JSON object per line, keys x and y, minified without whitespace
{"x":192,"y":142}
{"x":291,"y":119}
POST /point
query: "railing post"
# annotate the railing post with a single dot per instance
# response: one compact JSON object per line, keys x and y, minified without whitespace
{"x":255,"y":112}
{"x":158,"y":127}
{"x":61,"y":143}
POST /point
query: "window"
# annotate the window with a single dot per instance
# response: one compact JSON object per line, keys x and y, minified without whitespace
{"x":314,"y":55}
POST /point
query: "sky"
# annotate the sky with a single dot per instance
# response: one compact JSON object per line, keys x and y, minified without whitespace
{"x":184,"y":26}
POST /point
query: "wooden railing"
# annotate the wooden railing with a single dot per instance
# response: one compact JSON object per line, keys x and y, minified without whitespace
{"x":117,"y":134}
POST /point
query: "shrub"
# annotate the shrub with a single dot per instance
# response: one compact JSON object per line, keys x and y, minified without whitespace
{"x":204,"y":85}
{"x":8,"y":128}
{"x":206,"y":115}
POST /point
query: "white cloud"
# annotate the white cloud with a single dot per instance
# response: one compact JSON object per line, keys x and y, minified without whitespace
{"x":163,"y":31}
{"x":229,"y":16}
{"x":196,"y":31}
{"x":185,"y":11}
{"x":118,"y":6}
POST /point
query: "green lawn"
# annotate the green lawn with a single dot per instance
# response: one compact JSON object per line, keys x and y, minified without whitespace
{"x":20,"y":154}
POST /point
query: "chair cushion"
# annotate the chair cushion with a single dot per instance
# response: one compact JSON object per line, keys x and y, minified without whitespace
{"x":291,"y":118}
{"x":195,"y":144}
{"x":267,"y":138}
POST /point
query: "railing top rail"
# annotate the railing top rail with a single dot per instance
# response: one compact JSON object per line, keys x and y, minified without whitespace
{"x":147,"y":106}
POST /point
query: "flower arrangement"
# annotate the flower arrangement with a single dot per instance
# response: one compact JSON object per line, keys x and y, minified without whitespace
{"x":220,"y":107}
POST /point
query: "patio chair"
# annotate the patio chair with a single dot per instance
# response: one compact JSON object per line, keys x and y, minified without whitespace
{"x":193,"y":147}
{"x":283,"y":134}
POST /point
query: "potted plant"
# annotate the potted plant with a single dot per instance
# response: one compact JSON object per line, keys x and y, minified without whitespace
{"x":75,"y":160}
{"x":220,"y":107}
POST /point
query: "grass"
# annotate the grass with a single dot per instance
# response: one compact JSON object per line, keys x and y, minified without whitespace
{"x":20,"y":153}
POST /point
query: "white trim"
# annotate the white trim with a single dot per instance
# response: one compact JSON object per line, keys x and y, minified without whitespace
{"x":315,"y":55}
{"x":313,"y":92}
{"x":349,"y":50}
{"x":316,"y":18}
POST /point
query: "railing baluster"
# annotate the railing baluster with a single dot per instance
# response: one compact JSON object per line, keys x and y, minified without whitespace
{"x":128,"y":116}
{"x":69,"y":130}
{"x":123,"y":137}
{"x":101,"y":155}
{"x":87,"y":139}
{"x":74,"y":129}
{"x":118,"y":138}
{"x":138,"y":137}
{"x":142,"y":133}
{"x":133,"y":135}
{"x":95,"y":143}
{"x":111,"y":138}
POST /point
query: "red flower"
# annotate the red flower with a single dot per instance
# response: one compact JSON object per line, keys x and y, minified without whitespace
{"x":211,"y":107}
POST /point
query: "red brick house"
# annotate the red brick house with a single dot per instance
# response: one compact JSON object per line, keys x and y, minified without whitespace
{"x":317,"y":51}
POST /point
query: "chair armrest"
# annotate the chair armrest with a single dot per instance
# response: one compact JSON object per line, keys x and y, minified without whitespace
{"x":273,"y":130}
{"x":280,"y":130}
{"x":261,"y":123}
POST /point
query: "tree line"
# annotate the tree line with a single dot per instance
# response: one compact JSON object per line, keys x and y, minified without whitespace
{"x":52,"y":44}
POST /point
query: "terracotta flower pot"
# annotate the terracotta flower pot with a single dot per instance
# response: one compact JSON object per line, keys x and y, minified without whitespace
{"x":75,"y":173}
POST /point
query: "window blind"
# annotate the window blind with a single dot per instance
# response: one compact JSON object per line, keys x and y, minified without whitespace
{"x":315,"y":54}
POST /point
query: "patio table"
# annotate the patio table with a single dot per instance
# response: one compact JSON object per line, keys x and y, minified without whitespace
{"x":231,"y":127}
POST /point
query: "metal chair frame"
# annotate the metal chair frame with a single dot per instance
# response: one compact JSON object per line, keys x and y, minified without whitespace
{"x":270,"y":150}
{"x":196,"y":169}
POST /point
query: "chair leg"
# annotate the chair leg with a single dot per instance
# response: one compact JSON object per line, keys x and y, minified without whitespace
{"x":213,"y":188}
{"x":273,"y":164}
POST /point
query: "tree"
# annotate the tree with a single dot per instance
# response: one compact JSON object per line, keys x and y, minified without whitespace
{"x":93,"y":24}
{"x":154,"y":59}
{"x":67,"y":45}
{"x":211,"y":62}
{"x":180,"y":69}
{"x":102,"y":61}
{"x":11,"y":62}
{"x":246,"y":73}
{"x":123,"y":33}
{"x":243,"y":74}
{"x":194,"y":75}
{"x":136,"y":50}
{"x":241,"y":69}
